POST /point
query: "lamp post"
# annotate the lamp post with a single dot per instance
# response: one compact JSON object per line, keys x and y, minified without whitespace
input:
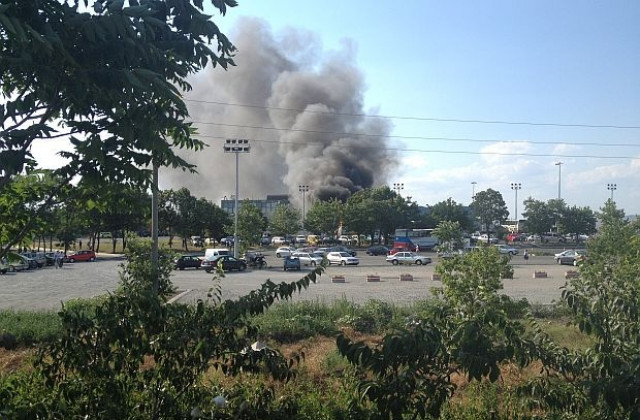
{"x":516,"y":186}
{"x":397,"y":187}
{"x":473,"y":190}
{"x":236,"y":146}
{"x":612,"y":188}
{"x":304,"y":189}
{"x":559,"y":165}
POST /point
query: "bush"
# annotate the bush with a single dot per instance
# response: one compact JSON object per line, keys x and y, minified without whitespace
{"x":30,"y":327}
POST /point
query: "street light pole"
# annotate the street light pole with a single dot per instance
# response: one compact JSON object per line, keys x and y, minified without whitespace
{"x":303,"y":189}
{"x":559,"y":165}
{"x":473,"y":190}
{"x":516,"y":186}
{"x":236,"y":146}
{"x":612,"y":188}
{"x":397,"y":187}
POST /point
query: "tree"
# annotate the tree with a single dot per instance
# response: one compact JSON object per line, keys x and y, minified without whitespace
{"x":324,"y":216}
{"x":578,"y":220}
{"x":451,"y":211}
{"x":489,"y":208}
{"x":251,"y":223}
{"x":449,"y":234}
{"x":285,"y":220}
{"x":603,"y":303}
{"x":110,"y":80}
{"x":538,"y":215}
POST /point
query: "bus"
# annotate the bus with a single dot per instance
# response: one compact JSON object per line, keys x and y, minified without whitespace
{"x":411,"y":238}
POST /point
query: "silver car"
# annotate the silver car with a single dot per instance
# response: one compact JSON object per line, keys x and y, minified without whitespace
{"x":408,"y":258}
{"x":307,"y":258}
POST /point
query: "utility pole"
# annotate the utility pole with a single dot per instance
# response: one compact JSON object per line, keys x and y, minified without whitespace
{"x":559,"y":165}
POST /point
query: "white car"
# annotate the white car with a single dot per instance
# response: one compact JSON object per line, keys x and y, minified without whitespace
{"x":284,"y":251}
{"x":342,"y":258}
{"x":278,"y":240}
{"x":490,"y":239}
{"x":307,"y":258}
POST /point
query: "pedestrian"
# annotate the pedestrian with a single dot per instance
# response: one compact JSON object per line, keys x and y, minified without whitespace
{"x":56,"y":259}
{"x":417,"y":248}
{"x":526,"y":254}
{"x":80,"y":244}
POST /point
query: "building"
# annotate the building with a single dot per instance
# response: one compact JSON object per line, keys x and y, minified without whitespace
{"x":266,"y":206}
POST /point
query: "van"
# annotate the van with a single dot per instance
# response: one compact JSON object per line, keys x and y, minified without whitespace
{"x":215,"y":252}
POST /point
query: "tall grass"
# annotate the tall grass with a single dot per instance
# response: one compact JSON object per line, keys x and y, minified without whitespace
{"x":30,"y":327}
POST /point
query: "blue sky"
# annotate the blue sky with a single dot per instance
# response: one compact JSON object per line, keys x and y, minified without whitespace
{"x":564,"y":63}
{"x":560,"y":63}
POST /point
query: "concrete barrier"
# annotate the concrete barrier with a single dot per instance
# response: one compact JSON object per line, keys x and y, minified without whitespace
{"x":406,"y":277}
{"x":338,"y":279}
{"x":373,"y":278}
{"x":436,"y":277}
{"x":571,"y":274}
{"x":539,"y":274}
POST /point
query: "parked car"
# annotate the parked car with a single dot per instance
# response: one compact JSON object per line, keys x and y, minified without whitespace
{"x":51,"y":257}
{"x":323,"y":251}
{"x":16,"y":262}
{"x":80,"y":256}
{"x":396,"y":249}
{"x":571,"y":256}
{"x":377,"y":250}
{"x":39,"y":257}
{"x":32,"y":263}
{"x":407,"y":258}
{"x":342,"y":258}
{"x":340,"y":248}
{"x":187,"y":261}
{"x":553,"y":238}
{"x":291,"y":263}
{"x":488,"y":239}
{"x":307,"y":258}
{"x":284,"y":251}
{"x":227,"y":262}
{"x":278,"y":240}
{"x":505,"y":249}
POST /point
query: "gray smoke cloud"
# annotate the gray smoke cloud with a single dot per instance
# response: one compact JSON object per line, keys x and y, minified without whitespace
{"x":306,"y":121}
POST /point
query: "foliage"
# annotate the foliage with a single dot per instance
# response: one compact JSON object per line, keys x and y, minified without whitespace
{"x":471,"y":332}
{"x":285,"y":220}
{"x":602,"y":379}
{"x":449,"y":234}
{"x":30,"y":327}
{"x":110,"y":80}
{"x":324,"y":216}
{"x":451,"y":211}
{"x":136,"y":357}
{"x":489,"y":208}
{"x":251,"y":223}
{"x":540,"y":218}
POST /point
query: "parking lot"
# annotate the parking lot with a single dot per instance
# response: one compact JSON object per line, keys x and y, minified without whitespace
{"x":48,"y":287}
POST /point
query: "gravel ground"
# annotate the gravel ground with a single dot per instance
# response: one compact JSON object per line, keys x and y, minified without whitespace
{"x":46,"y":288}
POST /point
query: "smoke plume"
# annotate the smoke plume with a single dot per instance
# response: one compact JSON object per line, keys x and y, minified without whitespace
{"x":303,"y":113}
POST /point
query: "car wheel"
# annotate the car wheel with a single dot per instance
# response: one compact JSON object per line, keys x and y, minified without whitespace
{"x":285,"y":268}
{"x":71,"y":260}
{"x":394,"y":262}
{"x":243,"y":267}
{"x":313,"y":263}
{"x":92,"y":259}
{"x":343,"y":263}
{"x":278,"y":255}
{"x":575,"y":263}
{"x":419,"y":262}
{"x":12,"y":268}
{"x":559,"y":261}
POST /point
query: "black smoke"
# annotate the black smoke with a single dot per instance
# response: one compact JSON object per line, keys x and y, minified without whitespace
{"x":303,"y":112}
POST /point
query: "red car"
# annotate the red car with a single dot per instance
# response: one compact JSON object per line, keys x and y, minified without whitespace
{"x":81,"y":256}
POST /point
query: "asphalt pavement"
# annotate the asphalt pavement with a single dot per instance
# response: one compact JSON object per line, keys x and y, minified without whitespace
{"x":49,"y":287}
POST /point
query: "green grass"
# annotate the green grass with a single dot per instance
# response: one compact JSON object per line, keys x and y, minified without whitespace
{"x":30,"y":327}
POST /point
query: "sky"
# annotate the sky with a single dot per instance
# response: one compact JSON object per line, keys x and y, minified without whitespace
{"x":469,"y":96}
